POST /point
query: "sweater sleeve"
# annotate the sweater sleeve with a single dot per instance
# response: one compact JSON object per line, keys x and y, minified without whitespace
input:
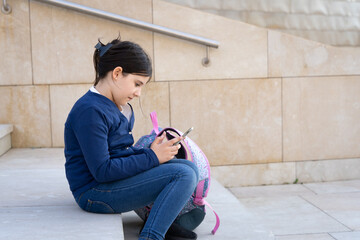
{"x":91,"y":131}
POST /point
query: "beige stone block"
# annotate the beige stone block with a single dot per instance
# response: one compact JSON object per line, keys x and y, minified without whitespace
{"x":5,"y":137}
{"x":235,"y":121}
{"x":15,"y":61}
{"x":254,"y":174}
{"x":321,"y":118}
{"x":340,"y":39}
{"x":236,"y":15}
{"x":62,"y":98}
{"x":237,"y":5}
{"x":27,"y":108}
{"x":208,"y":4}
{"x":63,"y":41}
{"x":242,"y":52}
{"x":154,"y":97}
{"x":318,"y":7}
{"x":294,"y":56}
{"x":6,"y":129}
{"x":283,"y":190}
{"x":328,"y":170}
{"x":5,"y":144}
{"x":300,"y":6}
{"x":277,"y":6}
{"x":187,"y":3}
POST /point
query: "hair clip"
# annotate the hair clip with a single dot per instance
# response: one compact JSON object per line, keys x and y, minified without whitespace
{"x":103,"y":49}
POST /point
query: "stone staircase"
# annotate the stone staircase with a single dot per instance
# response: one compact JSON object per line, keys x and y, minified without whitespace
{"x":36,"y":203}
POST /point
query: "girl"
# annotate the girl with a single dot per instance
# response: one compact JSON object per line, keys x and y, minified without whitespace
{"x":105,"y":172}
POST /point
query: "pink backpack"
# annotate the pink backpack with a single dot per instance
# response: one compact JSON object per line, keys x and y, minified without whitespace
{"x":193,"y":212}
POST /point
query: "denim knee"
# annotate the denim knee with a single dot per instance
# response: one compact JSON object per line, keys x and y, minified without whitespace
{"x":190,"y":173}
{"x":187,"y":163}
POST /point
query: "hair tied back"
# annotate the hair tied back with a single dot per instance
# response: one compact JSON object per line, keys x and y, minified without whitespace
{"x":103,"y":48}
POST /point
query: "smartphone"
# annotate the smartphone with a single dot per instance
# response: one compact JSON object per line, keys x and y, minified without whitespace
{"x":184,"y":135}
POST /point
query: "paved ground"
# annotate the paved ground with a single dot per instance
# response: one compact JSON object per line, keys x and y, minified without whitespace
{"x":314,"y":211}
{"x":35,"y":203}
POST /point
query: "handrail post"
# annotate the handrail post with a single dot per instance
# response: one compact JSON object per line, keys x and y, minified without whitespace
{"x":6,"y":8}
{"x":206,"y":60}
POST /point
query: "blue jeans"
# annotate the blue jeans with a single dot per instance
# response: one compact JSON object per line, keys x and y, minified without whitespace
{"x":169,"y":186}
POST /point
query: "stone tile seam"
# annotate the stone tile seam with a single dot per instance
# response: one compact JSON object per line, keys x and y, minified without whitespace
{"x":16,"y":169}
{"x":157,"y":81}
{"x":50,"y":118}
{"x":269,"y":25}
{"x":330,"y":233}
{"x":36,"y":206}
{"x":169,"y":95}
{"x":153,"y":41}
{"x":317,"y":76}
{"x":214,"y":79}
{"x":267,"y":53}
{"x":332,"y":193}
{"x":250,"y":164}
{"x":31,"y":50}
{"x":282,"y":123}
{"x":319,"y":30}
{"x":323,"y":211}
{"x":279,"y":162}
{"x":257,"y":78}
{"x":309,"y":189}
{"x":295,"y":14}
{"x":323,"y":159}
{"x":152,"y":15}
{"x":195,"y":80}
{"x":304,"y":234}
{"x":331,"y":236}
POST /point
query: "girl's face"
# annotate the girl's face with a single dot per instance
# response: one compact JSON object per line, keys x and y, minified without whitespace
{"x":127,"y":87}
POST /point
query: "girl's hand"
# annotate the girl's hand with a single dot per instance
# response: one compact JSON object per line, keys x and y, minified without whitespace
{"x":165,"y":150}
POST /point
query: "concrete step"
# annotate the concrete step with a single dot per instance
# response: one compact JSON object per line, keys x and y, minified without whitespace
{"x":36,"y":202}
{"x":5,"y":137}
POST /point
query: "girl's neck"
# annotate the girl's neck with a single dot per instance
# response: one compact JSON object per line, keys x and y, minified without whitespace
{"x":104,"y":88}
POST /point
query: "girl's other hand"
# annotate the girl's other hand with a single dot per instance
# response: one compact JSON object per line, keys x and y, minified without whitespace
{"x":165,"y":150}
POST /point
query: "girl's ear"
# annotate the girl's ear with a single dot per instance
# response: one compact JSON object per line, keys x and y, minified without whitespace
{"x":117,"y":72}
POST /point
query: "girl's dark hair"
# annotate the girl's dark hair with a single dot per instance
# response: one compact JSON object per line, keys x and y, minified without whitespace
{"x":128,"y":55}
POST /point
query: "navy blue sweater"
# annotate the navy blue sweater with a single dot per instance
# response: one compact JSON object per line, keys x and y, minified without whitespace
{"x":98,"y":145}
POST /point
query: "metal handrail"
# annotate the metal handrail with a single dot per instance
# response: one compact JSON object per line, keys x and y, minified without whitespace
{"x":133,"y":22}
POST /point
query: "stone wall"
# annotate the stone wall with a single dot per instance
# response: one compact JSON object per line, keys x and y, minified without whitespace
{"x":334,"y":22}
{"x":270,"y":108}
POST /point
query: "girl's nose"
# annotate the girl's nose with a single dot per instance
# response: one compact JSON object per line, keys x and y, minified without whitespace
{"x":138,"y":92}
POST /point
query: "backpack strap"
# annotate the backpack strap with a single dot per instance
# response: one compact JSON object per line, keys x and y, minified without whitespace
{"x":201,"y":202}
{"x":154,"y":121}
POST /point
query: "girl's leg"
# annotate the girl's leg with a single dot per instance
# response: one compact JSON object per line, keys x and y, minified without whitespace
{"x":168,"y":186}
{"x":174,"y":196}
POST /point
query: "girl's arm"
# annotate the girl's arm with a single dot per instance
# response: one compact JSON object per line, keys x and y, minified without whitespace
{"x":91,"y":131}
